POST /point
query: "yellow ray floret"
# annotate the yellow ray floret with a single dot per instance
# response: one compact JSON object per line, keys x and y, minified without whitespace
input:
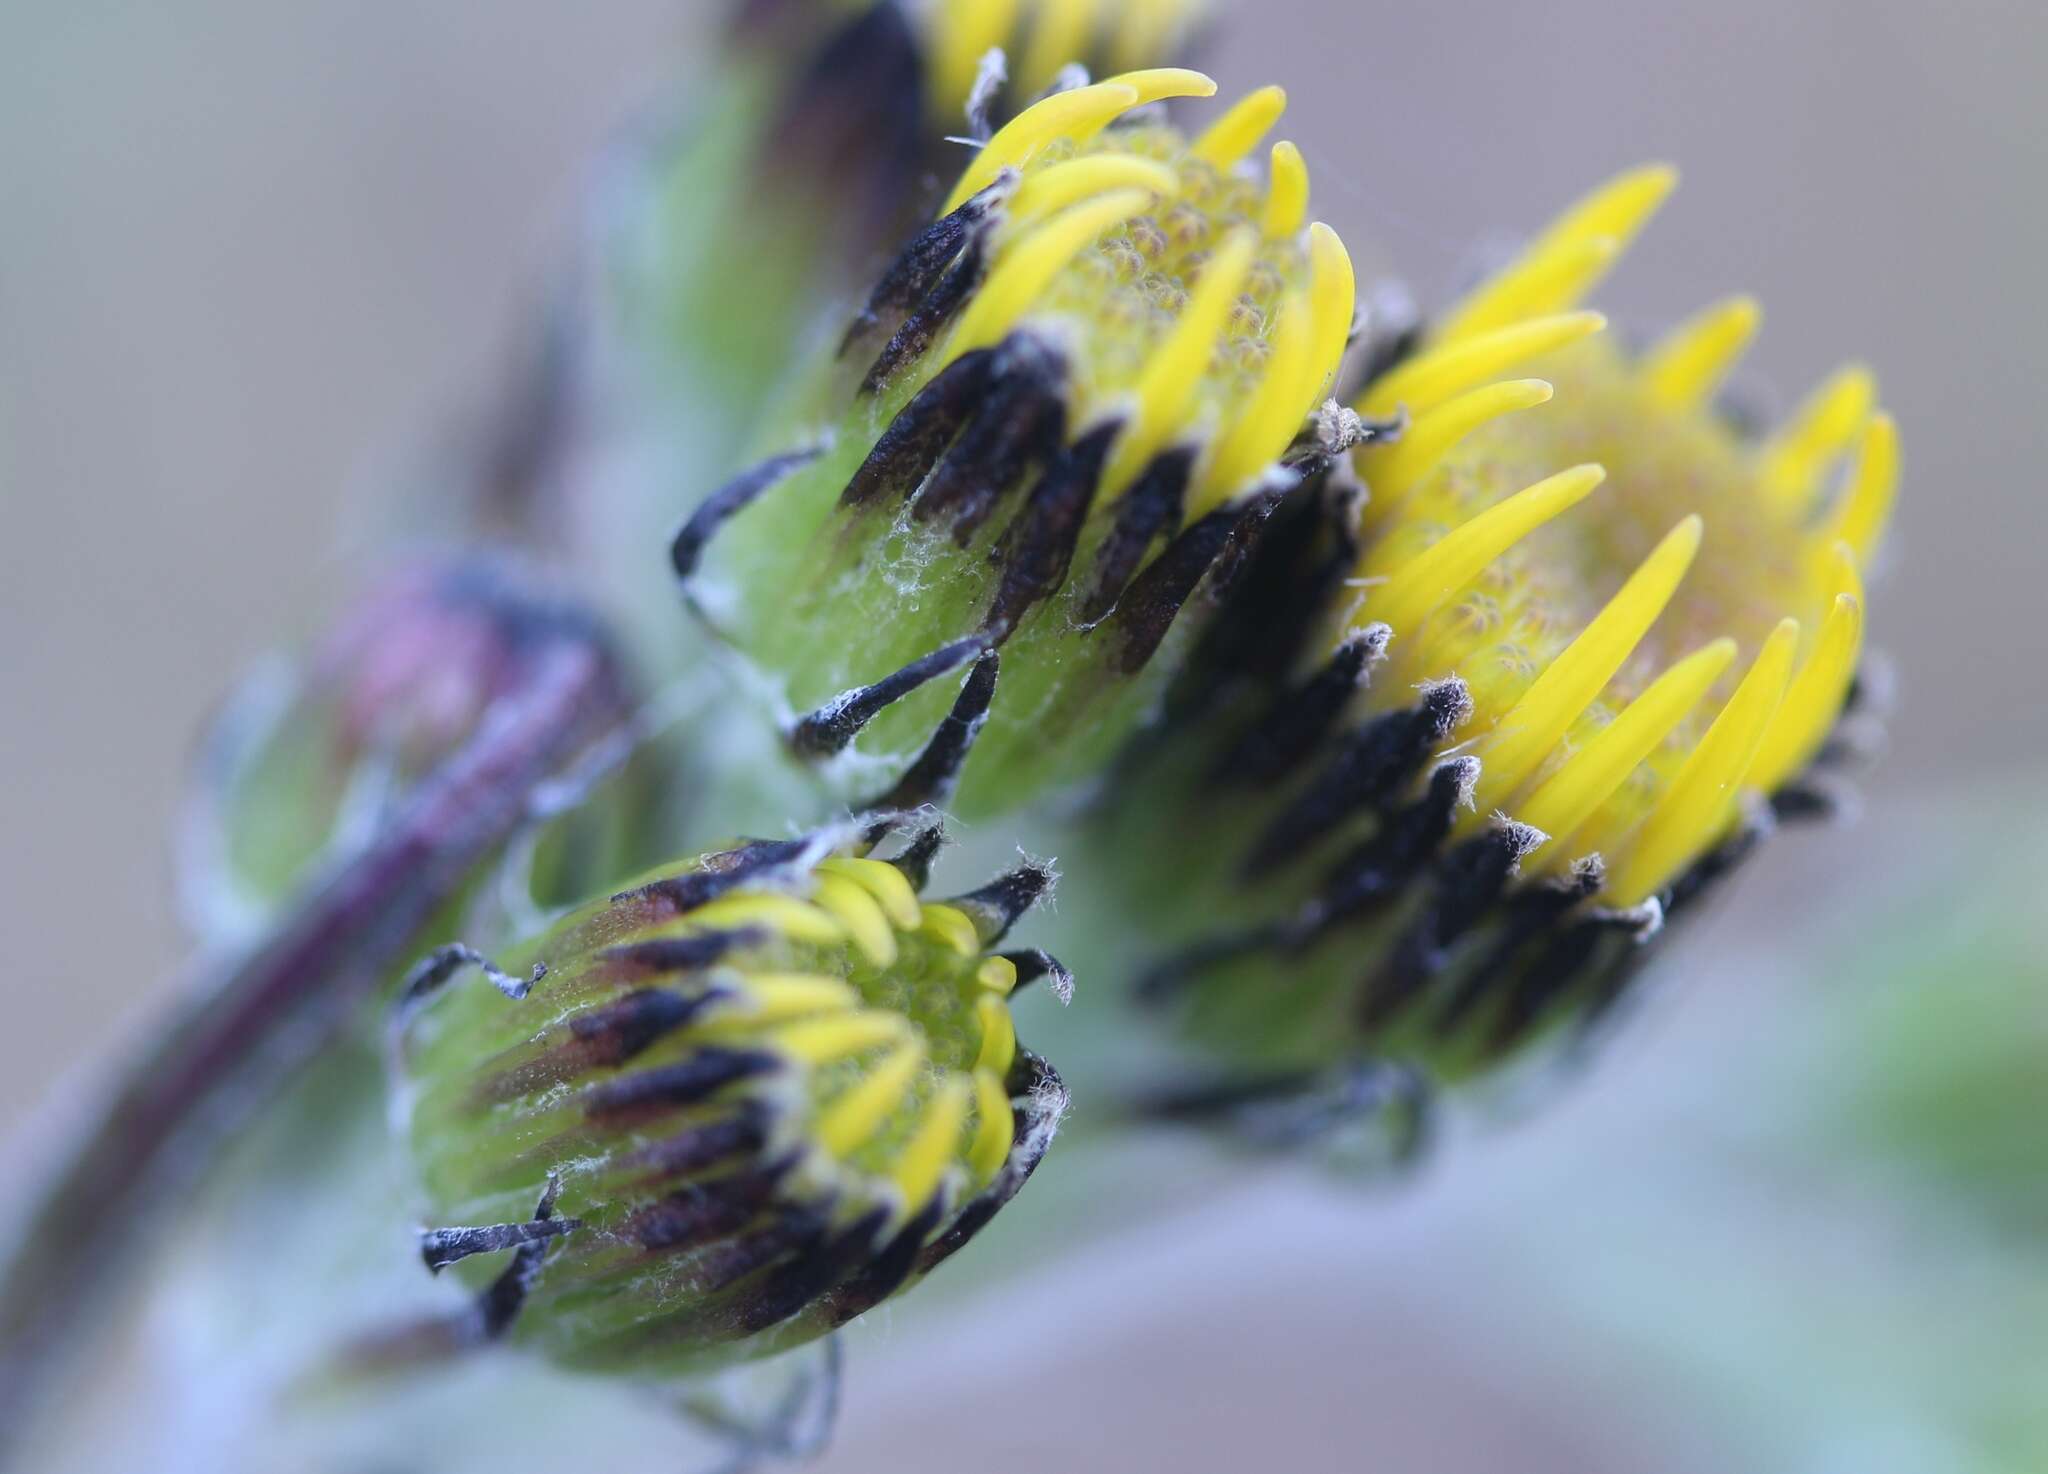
{"x":1687,"y":368}
{"x":1047,"y":191}
{"x":1567,"y":260}
{"x":860,"y":914}
{"x":785,"y":915}
{"x":1567,"y":800}
{"x":858,"y":1112}
{"x":1437,"y":374}
{"x":1867,"y":503}
{"x":820,"y":1040}
{"x":1695,"y":810}
{"x":1333,"y":293}
{"x":1233,"y":136}
{"x":998,"y":1035}
{"x":1793,"y":460}
{"x":771,"y":997}
{"x":1287,"y":193}
{"x":1391,"y":471}
{"x":998,"y":975}
{"x":932,"y":1143}
{"x":1168,"y":383}
{"x":950,"y":926}
{"x":1532,"y":727}
{"x":993,"y":1127}
{"x":1419,"y":586}
{"x":887,"y":884}
{"x":1816,"y":694}
{"x":1077,"y":116}
{"x":1032,"y":263}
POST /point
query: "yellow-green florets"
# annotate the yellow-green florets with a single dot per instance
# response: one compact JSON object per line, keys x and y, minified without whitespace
{"x":1544,"y":666}
{"x":1060,"y":411}
{"x":729,"y":1108}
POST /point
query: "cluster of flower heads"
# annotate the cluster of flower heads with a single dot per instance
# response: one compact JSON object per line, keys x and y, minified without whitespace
{"x":1420,"y":713}
{"x":1562,"y":651}
{"x":730,"y":1108}
{"x":1061,"y":413}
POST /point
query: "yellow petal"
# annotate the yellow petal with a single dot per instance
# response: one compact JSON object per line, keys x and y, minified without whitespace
{"x":1530,"y":730}
{"x":1436,"y":374}
{"x":1692,"y":813}
{"x":1425,"y":582}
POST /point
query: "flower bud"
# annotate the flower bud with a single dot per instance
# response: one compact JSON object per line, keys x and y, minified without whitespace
{"x":1480,"y":721}
{"x":727,"y":1110}
{"x":308,"y":764}
{"x":1049,"y":432}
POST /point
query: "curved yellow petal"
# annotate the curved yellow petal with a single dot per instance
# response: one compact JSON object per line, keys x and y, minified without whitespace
{"x":1570,"y":797}
{"x":1234,"y":135}
{"x":1045,"y":192}
{"x":1688,"y":366}
{"x":1063,"y":115}
{"x":1531,"y":728}
{"x":934,"y":1140}
{"x":1814,"y":699}
{"x":1693,"y":811}
{"x":1792,"y":462}
{"x":1031,"y":263}
{"x":1286,"y":192}
{"x":995,"y":1127}
{"x":1394,"y":470}
{"x":1420,"y":586}
{"x":1167,"y":385}
{"x":858,"y":1112}
{"x":1436,"y":374}
{"x":1866,"y":506}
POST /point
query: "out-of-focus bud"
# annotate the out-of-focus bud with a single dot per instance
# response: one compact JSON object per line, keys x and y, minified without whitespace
{"x":727,"y":1110}
{"x":1050,"y":431}
{"x":307,"y":765}
{"x":1516,"y":686}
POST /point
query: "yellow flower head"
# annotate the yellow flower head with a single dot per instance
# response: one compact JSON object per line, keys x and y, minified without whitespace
{"x":751,"y":1097}
{"x":1652,"y":612}
{"x":1554,"y":652}
{"x":1063,"y":404}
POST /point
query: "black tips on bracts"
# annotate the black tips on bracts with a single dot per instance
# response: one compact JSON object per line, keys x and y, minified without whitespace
{"x":1369,"y":769}
{"x":1300,"y":719}
{"x":828,"y":729}
{"x":936,"y":773}
{"x":918,"y":268}
{"x":727,"y":502}
{"x":995,"y":907}
{"x":1034,"y":963}
{"x":441,"y":1247}
{"x":1038,"y":546}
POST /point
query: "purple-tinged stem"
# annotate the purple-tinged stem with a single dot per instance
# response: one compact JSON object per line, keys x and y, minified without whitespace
{"x":237,"y":1036}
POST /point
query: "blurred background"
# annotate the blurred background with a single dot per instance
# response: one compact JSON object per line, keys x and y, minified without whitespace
{"x":252,"y":255}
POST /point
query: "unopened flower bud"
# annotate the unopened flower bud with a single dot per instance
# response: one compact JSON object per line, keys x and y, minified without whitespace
{"x":729,"y":1109}
{"x":1046,"y":437}
{"x":308,"y":764}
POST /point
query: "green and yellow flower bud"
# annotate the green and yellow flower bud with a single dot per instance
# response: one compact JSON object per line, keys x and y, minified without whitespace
{"x":1489,"y":714}
{"x":1049,"y":433}
{"x":727,"y":1110}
